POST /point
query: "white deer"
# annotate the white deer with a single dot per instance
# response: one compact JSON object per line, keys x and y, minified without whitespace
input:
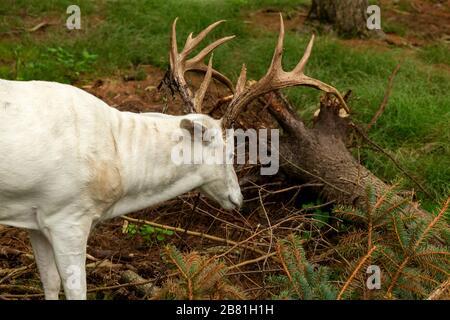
{"x":69,"y":161}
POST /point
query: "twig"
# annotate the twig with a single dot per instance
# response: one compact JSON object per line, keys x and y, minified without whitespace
{"x":386,"y":97}
{"x":270,"y":227}
{"x":253,"y":271}
{"x":38,"y":26}
{"x":314,"y":175}
{"x":269,"y":192}
{"x":437,"y":293}
{"x":414,"y":247}
{"x":15,"y":272}
{"x":193,"y":233}
{"x":380,"y":149}
{"x":19,"y":288}
{"x":214,"y":217}
{"x":30,"y":295}
{"x":432,"y":223}
{"x":118,"y":286}
{"x":353,"y":275}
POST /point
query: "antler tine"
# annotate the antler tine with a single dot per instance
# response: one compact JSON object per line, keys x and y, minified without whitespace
{"x":275,"y":65}
{"x":301,"y":65}
{"x":240,"y":86}
{"x":205,"y":51}
{"x":200,"y":94}
{"x":173,"y":44}
{"x":179,"y":65}
{"x":276,"y":78}
{"x":191,"y":43}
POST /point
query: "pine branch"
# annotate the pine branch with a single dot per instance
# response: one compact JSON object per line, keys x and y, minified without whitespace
{"x":432,"y":223}
{"x":352,"y":276}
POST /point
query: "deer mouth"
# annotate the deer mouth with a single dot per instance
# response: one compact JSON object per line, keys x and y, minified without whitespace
{"x":235,"y":203}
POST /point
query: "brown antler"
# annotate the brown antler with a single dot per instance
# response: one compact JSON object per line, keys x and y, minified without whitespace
{"x":179,"y":65}
{"x":275,"y":78}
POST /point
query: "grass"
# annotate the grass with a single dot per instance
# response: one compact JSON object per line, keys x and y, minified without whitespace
{"x":415,"y":127}
{"x":438,"y":53}
{"x":390,"y":26}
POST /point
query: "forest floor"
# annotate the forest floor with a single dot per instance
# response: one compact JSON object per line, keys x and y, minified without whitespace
{"x":415,"y":127}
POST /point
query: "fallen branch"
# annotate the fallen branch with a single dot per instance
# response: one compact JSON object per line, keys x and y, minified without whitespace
{"x":22,"y":288}
{"x":143,"y":286}
{"x":14,"y":273}
{"x":37,"y":295}
{"x":385,"y":99}
{"x":247,"y":262}
{"x":194,"y":233}
{"x":103,"y":264}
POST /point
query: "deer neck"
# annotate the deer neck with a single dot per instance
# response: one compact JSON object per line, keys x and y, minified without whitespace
{"x":148,"y":174}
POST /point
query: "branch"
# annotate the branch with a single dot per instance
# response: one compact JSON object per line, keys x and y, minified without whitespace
{"x":379,"y":148}
{"x":193,"y":233}
{"x":386,"y":97}
{"x":437,"y":293}
{"x":353,"y":275}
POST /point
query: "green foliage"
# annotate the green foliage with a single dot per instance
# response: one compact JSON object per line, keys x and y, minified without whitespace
{"x":302,"y":280}
{"x":437,"y":54}
{"x":198,"y":278}
{"x":147,"y":232}
{"x":412,"y":252}
{"x":320,"y":218}
{"x":394,"y":27}
{"x":66,"y":65}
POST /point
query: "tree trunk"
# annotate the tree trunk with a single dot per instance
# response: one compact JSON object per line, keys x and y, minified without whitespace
{"x":319,"y":155}
{"x":349,"y":17}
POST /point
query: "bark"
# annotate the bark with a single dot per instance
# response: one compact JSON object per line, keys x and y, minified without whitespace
{"x":349,"y":17}
{"x":320,"y":155}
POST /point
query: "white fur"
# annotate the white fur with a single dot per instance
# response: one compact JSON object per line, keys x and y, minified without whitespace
{"x":68,"y":161}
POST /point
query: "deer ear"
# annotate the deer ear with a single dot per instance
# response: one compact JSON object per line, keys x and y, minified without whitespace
{"x":196,"y":129}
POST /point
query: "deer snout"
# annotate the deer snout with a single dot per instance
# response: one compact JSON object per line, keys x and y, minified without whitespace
{"x":236,"y":200}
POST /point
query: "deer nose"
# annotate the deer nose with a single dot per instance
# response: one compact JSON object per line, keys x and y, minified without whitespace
{"x":236,"y":203}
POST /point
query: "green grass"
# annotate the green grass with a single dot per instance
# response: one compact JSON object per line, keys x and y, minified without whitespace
{"x":415,"y":127}
{"x":436,"y":54}
{"x":395,"y":27}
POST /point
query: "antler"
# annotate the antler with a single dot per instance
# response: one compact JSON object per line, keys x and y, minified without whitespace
{"x":179,"y":65}
{"x":275,"y":78}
